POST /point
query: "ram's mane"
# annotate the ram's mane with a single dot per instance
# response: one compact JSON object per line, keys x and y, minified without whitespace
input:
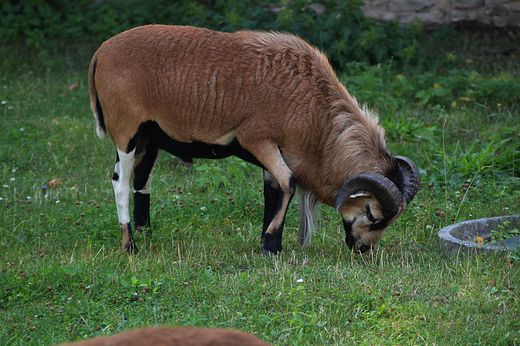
{"x":268,"y":41}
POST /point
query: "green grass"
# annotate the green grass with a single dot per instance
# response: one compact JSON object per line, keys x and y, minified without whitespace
{"x":63,"y":275}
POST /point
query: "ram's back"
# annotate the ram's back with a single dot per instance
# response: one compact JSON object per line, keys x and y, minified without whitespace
{"x":202,"y":85}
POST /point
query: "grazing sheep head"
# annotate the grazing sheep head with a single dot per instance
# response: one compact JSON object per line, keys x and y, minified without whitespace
{"x":370,"y":203}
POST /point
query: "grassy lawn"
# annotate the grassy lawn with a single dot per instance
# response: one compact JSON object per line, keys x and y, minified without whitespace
{"x":64,"y":277}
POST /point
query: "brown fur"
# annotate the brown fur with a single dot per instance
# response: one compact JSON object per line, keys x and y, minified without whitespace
{"x":180,"y":336}
{"x":269,"y":89}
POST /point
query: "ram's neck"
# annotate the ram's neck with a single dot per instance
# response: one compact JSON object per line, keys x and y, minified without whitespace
{"x":347,"y":142}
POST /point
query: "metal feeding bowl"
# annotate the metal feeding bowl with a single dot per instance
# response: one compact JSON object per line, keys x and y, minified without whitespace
{"x":474,"y":236}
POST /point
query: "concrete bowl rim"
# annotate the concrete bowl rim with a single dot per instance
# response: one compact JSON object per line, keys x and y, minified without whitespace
{"x":445,"y":234}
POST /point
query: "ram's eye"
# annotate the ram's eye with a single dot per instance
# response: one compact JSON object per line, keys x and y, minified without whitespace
{"x":370,"y":216}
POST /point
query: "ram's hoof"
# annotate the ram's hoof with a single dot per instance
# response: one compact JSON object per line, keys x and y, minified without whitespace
{"x":271,"y":245}
{"x":270,"y":253}
{"x":130,"y":248}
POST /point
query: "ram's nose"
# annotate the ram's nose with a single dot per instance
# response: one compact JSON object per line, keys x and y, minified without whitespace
{"x":364,"y":248}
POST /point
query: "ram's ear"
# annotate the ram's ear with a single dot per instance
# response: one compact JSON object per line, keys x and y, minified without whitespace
{"x":411,"y":178}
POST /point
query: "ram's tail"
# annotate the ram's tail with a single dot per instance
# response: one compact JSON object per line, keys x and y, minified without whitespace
{"x":94,"y":101}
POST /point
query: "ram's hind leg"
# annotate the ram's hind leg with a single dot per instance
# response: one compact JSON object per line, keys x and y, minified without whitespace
{"x":143,"y":171}
{"x":121,"y":184}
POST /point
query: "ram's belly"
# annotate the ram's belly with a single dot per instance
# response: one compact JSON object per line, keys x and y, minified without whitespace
{"x":228,"y":145}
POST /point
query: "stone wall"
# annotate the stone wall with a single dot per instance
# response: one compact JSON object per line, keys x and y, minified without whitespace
{"x":490,"y":12}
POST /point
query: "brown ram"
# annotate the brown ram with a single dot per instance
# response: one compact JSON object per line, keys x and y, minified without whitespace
{"x":179,"y":336}
{"x":268,"y":98}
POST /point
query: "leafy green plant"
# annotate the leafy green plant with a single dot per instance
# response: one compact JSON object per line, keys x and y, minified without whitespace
{"x":409,"y":130}
{"x":496,"y":91}
{"x":337,"y":27}
{"x":503,"y":232}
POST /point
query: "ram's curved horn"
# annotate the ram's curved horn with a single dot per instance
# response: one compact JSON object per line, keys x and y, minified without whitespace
{"x":411,"y":178}
{"x":386,"y":192}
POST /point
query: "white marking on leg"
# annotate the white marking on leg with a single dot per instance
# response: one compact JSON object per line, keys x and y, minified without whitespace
{"x":122,"y":185}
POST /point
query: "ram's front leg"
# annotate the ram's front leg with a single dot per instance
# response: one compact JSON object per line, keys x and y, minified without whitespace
{"x":271,"y":242}
{"x":121,"y":184}
{"x":279,"y":188}
{"x":272,"y":236}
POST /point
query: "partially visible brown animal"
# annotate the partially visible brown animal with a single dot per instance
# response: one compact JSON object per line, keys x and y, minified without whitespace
{"x":179,"y":336}
{"x":271,"y":99}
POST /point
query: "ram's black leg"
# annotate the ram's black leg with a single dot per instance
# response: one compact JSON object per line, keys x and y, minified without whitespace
{"x":143,"y":172}
{"x":271,"y":196}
